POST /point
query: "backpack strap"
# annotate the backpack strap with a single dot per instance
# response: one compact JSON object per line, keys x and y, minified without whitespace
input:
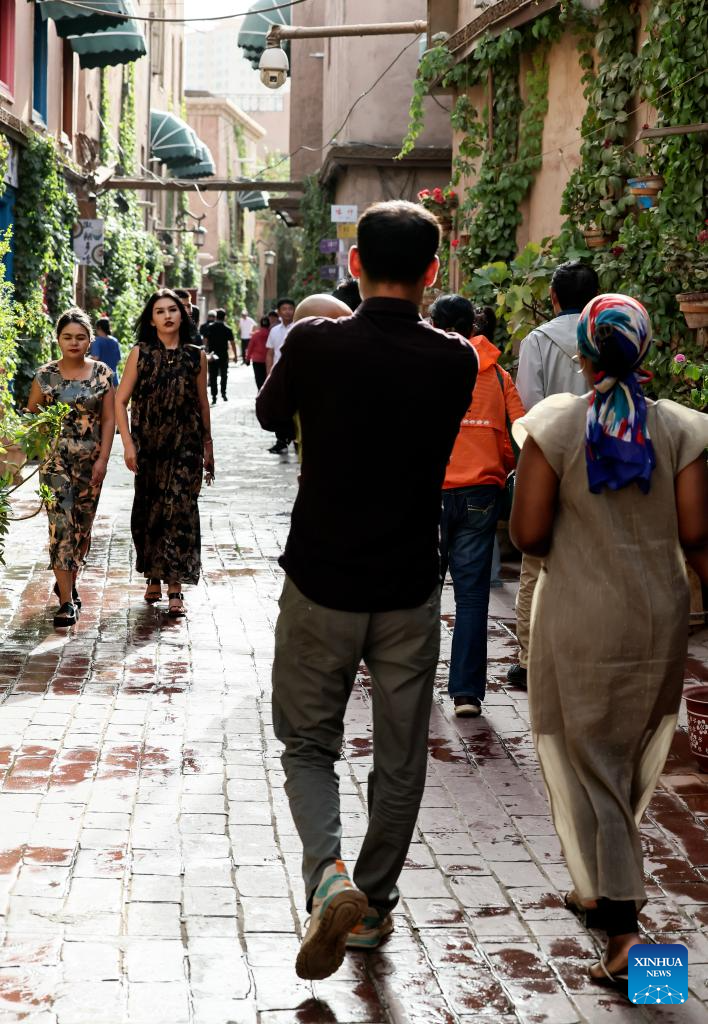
{"x":514,"y":446}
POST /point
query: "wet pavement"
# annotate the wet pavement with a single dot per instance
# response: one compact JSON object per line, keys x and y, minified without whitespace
{"x":149,"y":868}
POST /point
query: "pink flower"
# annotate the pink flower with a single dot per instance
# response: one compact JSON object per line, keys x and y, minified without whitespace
{"x":424,"y":193}
{"x":702,"y":236}
{"x":679,"y":358}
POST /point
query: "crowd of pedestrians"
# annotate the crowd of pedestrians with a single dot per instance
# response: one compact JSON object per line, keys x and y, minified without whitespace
{"x":408,"y":431}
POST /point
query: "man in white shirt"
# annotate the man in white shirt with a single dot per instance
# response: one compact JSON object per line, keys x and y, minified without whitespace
{"x":547,"y":367}
{"x":276,"y":339}
{"x":245,"y":330}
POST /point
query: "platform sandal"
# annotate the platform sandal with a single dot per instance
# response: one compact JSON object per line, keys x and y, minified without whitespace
{"x":176,"y":598}
{"x":153,"y":598}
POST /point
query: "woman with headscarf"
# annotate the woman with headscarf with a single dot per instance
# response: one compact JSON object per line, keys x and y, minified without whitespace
{"x":610,"y":488}
{"x":167,"y":445}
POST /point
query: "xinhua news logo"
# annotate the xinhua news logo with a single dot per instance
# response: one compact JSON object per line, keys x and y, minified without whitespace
{"x":658,"y":974}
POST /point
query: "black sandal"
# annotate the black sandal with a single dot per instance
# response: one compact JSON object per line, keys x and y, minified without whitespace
{"x":68,"y":615}
{"x":176,"y":613}
{"x":75,"y":599}
{"x":153,"y":598}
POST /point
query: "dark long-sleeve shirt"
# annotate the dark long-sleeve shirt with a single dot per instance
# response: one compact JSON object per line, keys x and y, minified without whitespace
{"x":380,"y":397}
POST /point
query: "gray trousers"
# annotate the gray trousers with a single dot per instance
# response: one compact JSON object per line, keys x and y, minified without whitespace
{"x":317,"y":654}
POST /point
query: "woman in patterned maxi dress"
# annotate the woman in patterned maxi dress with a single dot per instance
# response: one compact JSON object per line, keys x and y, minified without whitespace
{"x":75,"y":467}
{"x":612,"y":492}
{"x":167,"y":445}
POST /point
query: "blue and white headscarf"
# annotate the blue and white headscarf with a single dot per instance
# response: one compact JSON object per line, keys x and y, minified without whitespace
{"x":614,"y":333}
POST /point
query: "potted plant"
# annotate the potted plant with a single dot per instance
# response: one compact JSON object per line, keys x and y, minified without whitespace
{"x":687,"y":260}
{"x":646,"y":190}
{"x":442,"y":202}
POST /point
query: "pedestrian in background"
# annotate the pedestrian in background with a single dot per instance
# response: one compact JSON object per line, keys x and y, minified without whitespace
{"x":347,"y":291}
{"x":192,"y":311}
{"x":76,"y":465}
{"x":607,"y":495}
{"x":547,"y":367}
{"x":167,"y":445}
{"x":218,"y":339}
{"x":246,"y":325}
{"x":474,"y":483}
{"x":204,"y":328}
{"x":285,"y":430}
{"x":256,"y":351}
{"x":105,"y":348}
{"x":363,"y":566}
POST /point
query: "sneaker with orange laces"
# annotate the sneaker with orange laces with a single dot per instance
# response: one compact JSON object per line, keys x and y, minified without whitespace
{"x":371,"y":930}
{"x":337,"y":907}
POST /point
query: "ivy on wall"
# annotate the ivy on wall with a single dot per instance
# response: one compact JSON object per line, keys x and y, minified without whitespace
{"x":315,"y":208}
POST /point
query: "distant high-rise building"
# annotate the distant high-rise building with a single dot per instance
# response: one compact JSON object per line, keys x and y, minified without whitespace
{"x":214,"y":63}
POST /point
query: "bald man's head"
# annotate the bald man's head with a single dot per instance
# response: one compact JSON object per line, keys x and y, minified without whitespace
{"x":322,"y":305}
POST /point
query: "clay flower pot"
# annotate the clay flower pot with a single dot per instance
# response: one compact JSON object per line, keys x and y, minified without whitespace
{"x":697,"y":708}
{"x":595,"y":238}
{"x":646,"y":190}
{"x":694,"y":306}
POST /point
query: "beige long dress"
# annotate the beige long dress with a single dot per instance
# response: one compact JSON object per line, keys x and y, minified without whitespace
{"x":609,"y":629}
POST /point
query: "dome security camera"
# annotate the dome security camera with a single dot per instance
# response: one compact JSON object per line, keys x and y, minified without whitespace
{"x":273,"y":67}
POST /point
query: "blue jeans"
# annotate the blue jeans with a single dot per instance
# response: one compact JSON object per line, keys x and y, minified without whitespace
{"x":468,"y":526}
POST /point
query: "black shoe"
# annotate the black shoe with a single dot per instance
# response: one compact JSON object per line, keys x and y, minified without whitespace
{"x":75,"y":599}
{"x":213,"y":401}
{"x":467,"y":707}
{"x":68,"y":615}
{"x":517,"y":676}
{"x":278,"y":447}
{"x":225,"y":399}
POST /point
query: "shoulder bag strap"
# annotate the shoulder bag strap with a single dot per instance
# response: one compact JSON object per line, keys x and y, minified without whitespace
{"x":514,"y":445}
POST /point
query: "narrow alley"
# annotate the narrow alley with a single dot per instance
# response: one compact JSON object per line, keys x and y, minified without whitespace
{"x":149,"y":867}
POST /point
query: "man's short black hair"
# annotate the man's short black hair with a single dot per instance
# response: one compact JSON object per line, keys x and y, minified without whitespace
{"x":103,"y":324}
{"x":347,"y":291}
{"x":220,"y":314}
{"x":397,"y":241}
{"x":453,"y":313}
{"x":575,"y":283}
{"x":182,"y":293}
{"x":284,"y":302}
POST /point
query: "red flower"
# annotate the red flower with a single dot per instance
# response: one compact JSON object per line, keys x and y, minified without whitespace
{"x":607,"y":143}
{"x":644,"y":127}
{"x":703,"y":235}
{"x":455,"y":242}
{"x":617,"y":250}
{"x":438,"y":195}
{"x":424,"y":193}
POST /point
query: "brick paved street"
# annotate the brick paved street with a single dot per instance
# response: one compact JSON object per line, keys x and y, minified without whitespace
{"x":149,"y":868}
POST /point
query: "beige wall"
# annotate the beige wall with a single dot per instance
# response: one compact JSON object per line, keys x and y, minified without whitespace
{"x":214,"y":119}
{"x":306,"y":88}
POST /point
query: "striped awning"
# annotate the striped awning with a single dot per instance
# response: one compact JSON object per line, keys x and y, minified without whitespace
{"x":121,"y":44}
{"x":255,"y":28}
{"x":253,"y":200}
{"x":171,"y":139}
{"x":202,"y":167}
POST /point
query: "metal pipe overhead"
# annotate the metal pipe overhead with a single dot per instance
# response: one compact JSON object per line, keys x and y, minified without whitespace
{"x":279,"y":32}
{"x":208,"y":185}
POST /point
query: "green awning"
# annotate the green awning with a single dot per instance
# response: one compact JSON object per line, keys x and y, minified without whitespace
{"x":110,"y":46}
{"x":255,"y":28}
{"x":72,"y":20}
{"x":253,"y":200}
{"x":202,"y":167}
{"x":172,"y":140}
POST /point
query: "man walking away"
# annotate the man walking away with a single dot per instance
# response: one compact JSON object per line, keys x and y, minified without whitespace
{"x":204,"y":328}
{"x":285,"y":430}
{"x":547,"y":367}
{"x":105,"y":348}
{"x":219,"y":336}
{"x":362,"y":566}
{"x":245,"y":331}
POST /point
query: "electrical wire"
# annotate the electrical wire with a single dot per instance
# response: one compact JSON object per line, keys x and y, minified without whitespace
{"x":182,"y":21}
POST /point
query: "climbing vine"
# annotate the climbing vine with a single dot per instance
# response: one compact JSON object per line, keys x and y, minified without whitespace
{"x":434,"y":63}
{"x":315,"y":208}
{"x":127,"y":138}
{"x":232,"y":279}
{"x":45,"y":213}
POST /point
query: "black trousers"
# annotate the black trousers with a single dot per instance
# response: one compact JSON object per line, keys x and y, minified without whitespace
{"x":216,"y":370}
{"x":259,"y":372}
{"x":244,"y":346}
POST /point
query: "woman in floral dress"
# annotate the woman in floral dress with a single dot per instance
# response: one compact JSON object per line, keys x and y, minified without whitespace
{"x":75,"y":467}
{"x":167,"y":445}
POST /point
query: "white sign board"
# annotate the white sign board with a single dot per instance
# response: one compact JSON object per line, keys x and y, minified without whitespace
{"x":345,"y":214}
{"x":88,"y":242}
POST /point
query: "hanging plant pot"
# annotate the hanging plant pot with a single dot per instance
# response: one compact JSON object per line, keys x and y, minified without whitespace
{"x":646,"y":190}
{"x":697,"y":708}
{"x":694,"y":306}
{"x":596,"y":238}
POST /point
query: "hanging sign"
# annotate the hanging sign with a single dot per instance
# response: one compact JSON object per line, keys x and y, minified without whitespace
{"x":328,"y":245}
{"x":88,"y":242}
{"x":329,"y":273}
{"x":345,"y":214}
{"x":346,"y":230}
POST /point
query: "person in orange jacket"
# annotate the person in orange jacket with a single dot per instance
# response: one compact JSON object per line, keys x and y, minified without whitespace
{"x":476,"y":475}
